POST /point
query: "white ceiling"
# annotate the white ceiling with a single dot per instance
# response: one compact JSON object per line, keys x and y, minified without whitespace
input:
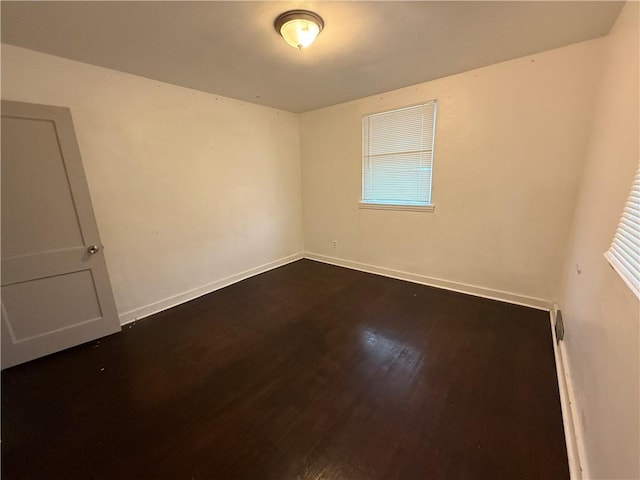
{"x":232,"y":49}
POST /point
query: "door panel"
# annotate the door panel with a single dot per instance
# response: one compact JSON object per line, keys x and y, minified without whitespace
{"x":65,"y":300}
{"x":35,"y":158}
{"x":55,"y":293}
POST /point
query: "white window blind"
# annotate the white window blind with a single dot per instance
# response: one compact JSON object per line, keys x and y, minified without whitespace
{"x":624,"y":252}
{"x":397,"y":155}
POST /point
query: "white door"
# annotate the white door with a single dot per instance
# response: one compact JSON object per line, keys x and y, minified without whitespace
{"x":55,"y":288}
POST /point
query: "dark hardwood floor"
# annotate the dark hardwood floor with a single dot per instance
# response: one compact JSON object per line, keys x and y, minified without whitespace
{"x":308,"y":371}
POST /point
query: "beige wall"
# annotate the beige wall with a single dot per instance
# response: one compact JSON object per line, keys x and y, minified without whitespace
{"x":188,"y":187}
{"x":510,"y":142}
{"x":601,"y":313}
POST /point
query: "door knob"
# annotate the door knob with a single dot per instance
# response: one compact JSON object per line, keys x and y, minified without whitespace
{"x":93,"y":249}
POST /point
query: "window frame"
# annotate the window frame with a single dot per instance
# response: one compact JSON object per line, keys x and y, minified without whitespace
{"x":612,"y":257}
{"x":362,"y":204}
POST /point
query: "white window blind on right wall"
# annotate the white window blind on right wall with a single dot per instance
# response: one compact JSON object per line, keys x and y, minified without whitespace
{"x":624,"y":252}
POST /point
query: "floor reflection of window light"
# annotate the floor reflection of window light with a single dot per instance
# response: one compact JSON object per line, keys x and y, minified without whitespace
{"x":406,"y":360}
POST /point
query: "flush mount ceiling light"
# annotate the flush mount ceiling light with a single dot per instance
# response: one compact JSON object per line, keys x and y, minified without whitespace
{"x":299,"y":28}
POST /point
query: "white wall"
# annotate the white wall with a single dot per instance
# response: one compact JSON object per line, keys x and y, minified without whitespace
{"x":188,"y":188}
{"x":601,"y":314}
{"x":510,"y":143}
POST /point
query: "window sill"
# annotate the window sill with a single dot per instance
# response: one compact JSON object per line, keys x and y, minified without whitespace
{"x":390,"y":206}
{"x":623,"y":272}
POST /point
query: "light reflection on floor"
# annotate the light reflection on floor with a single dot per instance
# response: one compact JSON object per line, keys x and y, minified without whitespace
{"x":401,"y":361}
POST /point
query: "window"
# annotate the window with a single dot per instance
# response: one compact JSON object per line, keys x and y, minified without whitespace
{"x":397,"y":158}
{"x":624,"y":252}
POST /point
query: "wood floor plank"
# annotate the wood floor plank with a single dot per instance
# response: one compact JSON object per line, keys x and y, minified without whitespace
{"x":309,"y":371}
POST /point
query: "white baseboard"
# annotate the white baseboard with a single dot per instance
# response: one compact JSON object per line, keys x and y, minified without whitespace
{"x":568,"y":416}
{"x":573,"y":430}
{"x":155,"y":307}
{"x":537,"y":303}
